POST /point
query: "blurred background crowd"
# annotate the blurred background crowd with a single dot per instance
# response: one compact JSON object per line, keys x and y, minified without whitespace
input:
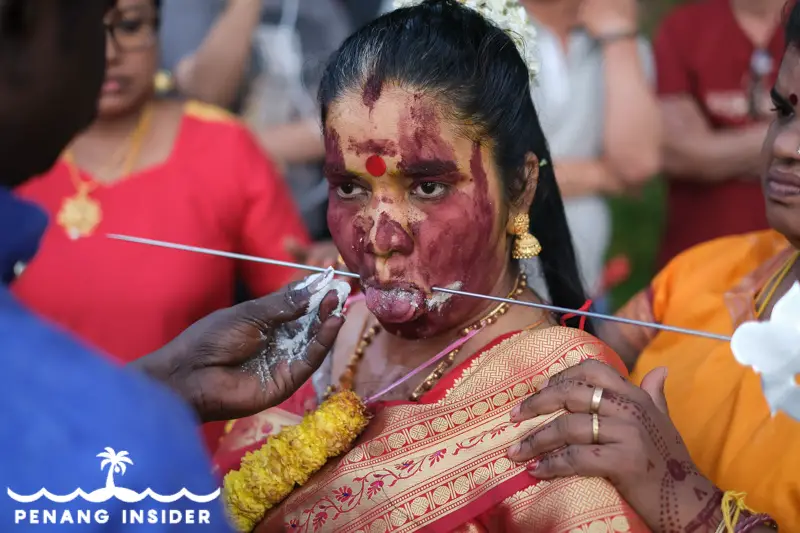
{"x":208,"y":134}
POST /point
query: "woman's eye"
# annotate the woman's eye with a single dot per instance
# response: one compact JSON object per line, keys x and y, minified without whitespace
{"x":349,"y":190}
{"x":429,"y":190}
{"x":130,"y":25}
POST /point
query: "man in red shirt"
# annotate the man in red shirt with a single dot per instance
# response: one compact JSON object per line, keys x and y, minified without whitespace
{"x":716,"y":61}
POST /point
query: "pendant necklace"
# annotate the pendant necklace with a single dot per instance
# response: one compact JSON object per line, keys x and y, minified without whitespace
{"x":80,"y":214}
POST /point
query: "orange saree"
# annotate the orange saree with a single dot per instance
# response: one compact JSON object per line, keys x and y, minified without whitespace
{"x":440,"y":464}
{"x":717,"y":404}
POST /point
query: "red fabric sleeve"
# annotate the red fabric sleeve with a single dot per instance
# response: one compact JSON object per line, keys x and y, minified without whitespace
{"x":672,"y":70}
{"x":270,"y":219}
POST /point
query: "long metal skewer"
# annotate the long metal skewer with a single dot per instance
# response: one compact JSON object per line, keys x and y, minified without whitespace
{"x":300,"y":266}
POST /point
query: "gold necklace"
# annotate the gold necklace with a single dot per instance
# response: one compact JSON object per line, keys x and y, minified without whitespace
{"x":773,"y":283}
{"x":80,"y":214}
{"x":368,"y":334}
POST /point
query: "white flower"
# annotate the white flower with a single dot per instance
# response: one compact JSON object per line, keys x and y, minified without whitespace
{"x":508,"y":15}
{"x":772,"y":349}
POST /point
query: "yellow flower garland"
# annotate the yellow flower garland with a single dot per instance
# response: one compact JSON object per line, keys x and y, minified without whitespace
{"x":291,"y":457}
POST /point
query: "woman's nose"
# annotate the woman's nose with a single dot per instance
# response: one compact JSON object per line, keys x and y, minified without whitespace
{"x":389,"y":236}
{"x":112,"y":48}
{"x":786,"y":146}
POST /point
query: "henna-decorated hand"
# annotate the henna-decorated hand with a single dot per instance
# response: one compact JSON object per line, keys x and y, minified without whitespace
{"x":637,"y":447}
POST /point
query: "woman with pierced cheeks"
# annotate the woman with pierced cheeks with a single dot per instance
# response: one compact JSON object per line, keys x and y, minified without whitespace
{"x":439,"y":177}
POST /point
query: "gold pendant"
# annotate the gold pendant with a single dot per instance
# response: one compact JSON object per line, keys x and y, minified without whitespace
{"x":79,"y":215}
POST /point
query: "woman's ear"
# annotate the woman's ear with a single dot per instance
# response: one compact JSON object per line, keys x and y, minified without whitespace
{"x":522,"y":205}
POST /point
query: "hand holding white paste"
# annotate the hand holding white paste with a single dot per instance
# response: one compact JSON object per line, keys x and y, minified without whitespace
{"x":289,"y":342}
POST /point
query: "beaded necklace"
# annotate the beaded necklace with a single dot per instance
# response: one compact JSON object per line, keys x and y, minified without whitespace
{"x":369,"y":332}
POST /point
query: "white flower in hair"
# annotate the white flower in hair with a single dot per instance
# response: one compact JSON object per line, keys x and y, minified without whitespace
{"x":508,"y":15}
{"x":772,"y":349}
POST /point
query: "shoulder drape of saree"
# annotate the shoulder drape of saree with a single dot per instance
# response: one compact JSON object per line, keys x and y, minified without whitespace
{"x":441,"y":465}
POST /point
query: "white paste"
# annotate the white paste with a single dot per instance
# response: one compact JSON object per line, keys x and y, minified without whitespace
{"x":438,"y":299}
{"x":289,"y":341}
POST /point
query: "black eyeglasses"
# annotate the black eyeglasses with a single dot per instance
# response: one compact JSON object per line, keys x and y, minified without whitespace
{"x":132,"y":30}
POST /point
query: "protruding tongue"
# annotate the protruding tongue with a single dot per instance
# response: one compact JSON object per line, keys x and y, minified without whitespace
{"x":393,"y":306}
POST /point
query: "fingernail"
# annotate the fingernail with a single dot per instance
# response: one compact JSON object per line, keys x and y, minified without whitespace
{"x":515,"y":413}
{"x":546,"y":382}
{"x":318,"y":281}
{"x":514,"y":450}
{"x":532,"y":467}
{"x":308,"y":282}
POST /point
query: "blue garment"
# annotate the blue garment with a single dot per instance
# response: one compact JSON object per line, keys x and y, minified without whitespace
{"x":61,"y":405}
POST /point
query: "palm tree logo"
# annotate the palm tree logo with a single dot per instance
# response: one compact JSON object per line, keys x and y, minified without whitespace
{"x":117,"y":464}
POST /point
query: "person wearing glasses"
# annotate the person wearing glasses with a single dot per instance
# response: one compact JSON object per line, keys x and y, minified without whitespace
{"x":164,"y":169}
{"x":715,"y":62}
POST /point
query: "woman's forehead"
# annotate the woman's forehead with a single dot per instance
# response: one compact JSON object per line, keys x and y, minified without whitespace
{"x":399,"y":122}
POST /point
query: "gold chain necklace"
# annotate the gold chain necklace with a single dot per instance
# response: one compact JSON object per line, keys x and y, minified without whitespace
{"x":772,"y":284}
{"x":369,"y":332}
{"x":80,"y":214}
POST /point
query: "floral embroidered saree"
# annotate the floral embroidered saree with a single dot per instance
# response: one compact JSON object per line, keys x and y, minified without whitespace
{"x":440,"y":464}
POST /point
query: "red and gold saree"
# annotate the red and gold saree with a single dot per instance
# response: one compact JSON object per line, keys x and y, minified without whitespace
{"x":440,"y":464}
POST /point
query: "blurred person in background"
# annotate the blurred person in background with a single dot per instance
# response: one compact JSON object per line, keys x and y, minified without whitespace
{"x":716,"y":60}
{"x":206,"y":48}
{"x":719,"y":405}
{"x":292,"y":45}
{"x":61,"y":403}
{"x":599,"y":113}
{"x":263,"y":59}
{"x":164,"y":169}
{"x":364,"y":11}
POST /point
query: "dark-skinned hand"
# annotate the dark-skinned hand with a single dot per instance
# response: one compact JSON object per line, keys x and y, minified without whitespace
{"x":204,"y":364}
{"x":639,"y":451}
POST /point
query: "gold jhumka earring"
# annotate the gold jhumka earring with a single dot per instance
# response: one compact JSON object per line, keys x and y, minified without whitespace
{"x":526,"y":246}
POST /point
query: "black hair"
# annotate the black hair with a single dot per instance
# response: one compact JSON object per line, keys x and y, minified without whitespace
{"x":792,"y":25}
{"x":443,"y":48}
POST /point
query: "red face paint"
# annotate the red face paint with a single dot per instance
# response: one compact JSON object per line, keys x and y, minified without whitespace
{"x":372,"y":91}
{"x":382,"y":147}
{"x":390,"y":237}
{"x":376,"y":166}
{"x":793,"y":99}
{"x":334,"y":157}
{"x":421,"y":136}
{"x":413,"y":244}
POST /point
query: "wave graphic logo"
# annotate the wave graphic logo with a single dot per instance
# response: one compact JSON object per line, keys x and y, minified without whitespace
{"x":117,"y":463}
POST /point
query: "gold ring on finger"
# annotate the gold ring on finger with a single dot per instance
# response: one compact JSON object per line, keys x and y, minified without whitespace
{"x":597,"y":397}
{"x":595,"y":429}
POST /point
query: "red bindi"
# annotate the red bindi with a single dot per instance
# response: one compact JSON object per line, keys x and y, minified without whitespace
{"x":376,"y":166}
{"x":793,"y":99}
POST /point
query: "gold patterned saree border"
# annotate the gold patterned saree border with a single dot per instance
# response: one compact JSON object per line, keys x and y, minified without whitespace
{"x":429,"y":461}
